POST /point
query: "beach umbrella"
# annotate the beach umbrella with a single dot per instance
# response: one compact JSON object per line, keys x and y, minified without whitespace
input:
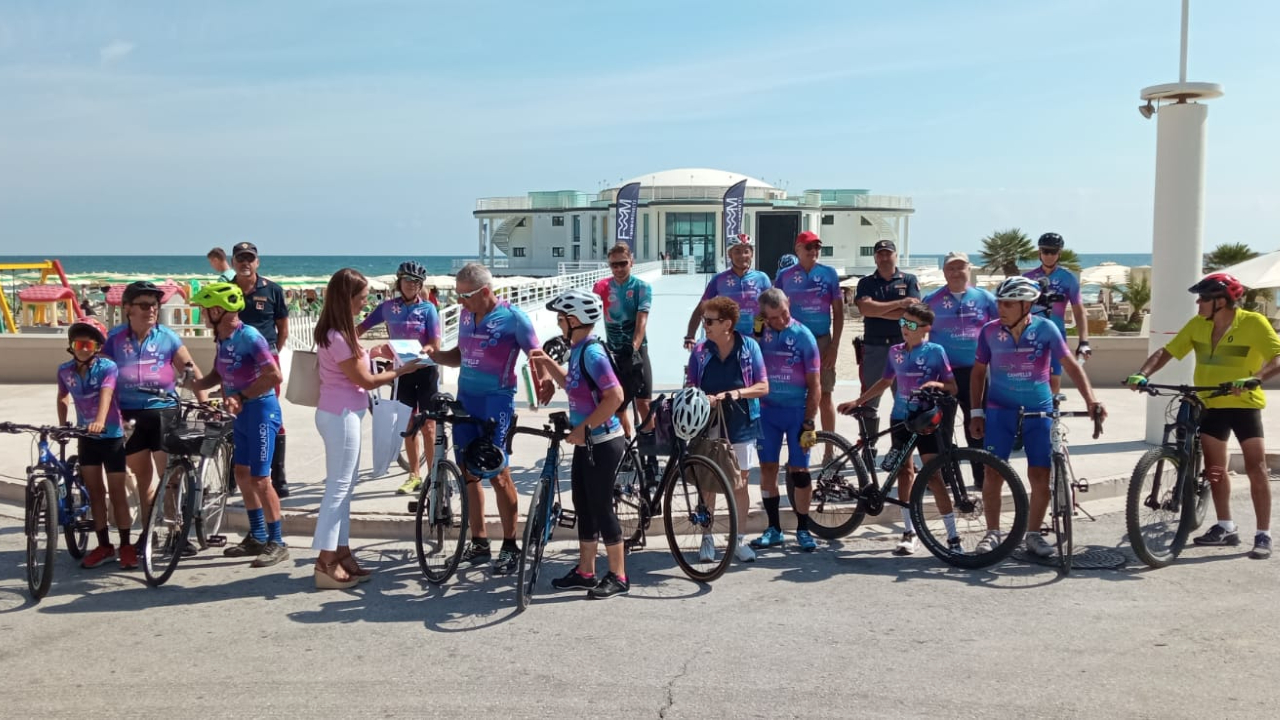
{"x":1107,"y":272}
{"x":1259,"y":273}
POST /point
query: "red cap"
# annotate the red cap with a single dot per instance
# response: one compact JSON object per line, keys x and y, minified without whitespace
{"x":807,"y":237}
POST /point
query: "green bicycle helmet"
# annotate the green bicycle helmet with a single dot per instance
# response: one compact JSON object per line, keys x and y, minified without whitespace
{"x":220,"y":295}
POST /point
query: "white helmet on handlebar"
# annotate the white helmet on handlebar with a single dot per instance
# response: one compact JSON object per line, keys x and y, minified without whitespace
{"x":690,"y":411}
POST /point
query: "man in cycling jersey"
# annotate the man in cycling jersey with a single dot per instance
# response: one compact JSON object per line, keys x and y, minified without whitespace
{"x":1018,"y":348}
{"x":626,"y":302}
{"x":491,"y":335}
{"x":1063,"y":287}
{"x":813,"y":290}
{"x":740,"y":284}
{"x":1232,"y":345}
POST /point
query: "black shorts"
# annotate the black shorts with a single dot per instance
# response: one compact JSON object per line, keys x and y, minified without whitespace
{"x":416,"y":388}
{"x":149,"y":429}
{"x":105,"y":452}
{"x":1220,"y":423}
{"x":637,"y":374}
{"x":925,"y":444}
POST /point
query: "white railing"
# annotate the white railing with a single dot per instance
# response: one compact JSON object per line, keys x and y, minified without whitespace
{"x":568,"y":268}
{"x":501,"y":263}
{"x":680,"y":266}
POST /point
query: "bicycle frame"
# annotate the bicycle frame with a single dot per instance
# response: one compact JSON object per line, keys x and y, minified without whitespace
{"x":872,"y":497}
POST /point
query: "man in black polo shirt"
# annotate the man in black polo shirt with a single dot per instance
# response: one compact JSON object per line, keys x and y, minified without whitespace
{"x":882,"y":297}
{"x":267,"y":311}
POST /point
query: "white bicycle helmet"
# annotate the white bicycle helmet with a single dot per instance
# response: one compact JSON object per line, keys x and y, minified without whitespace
{"x":1018,"y":288}
{"x":739,"y":239}
{"x":690,"y":411}
{"x":585,"y":306}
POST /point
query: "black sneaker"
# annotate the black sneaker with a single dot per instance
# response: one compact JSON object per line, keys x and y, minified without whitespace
{"x":574,"y":580}
{"x":1261,"y":547}
{"x":476,"y":554}
{"x":272,"y":553}
{"x":506,"y":562}
{"x":188,"y":549}
{"x":250,"y":546}
{"x":609,"y":586}
{"x":1218,"y":537}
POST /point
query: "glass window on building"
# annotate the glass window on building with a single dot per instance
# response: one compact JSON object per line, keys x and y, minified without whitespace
{"x":577,"y":228}
{"x":865,"y":221}
{"x":746,"y":223}
{"x":557,"y":221}
{"x":517,"y":252}
{"x":646,"y":237}
{"x":868,"y":251}
{"x":693,"y":235}
{"x":828,"y":219}
{"x":577,"y":253}
{"x":557,"y":251}
{"x":828,"y":251}
{"x":806,"y":221}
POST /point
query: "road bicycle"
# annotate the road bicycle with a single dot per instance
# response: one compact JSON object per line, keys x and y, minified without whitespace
{"x":546,"y":508}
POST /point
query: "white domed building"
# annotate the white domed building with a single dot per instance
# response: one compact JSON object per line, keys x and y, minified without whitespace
{"x":680,"y":215}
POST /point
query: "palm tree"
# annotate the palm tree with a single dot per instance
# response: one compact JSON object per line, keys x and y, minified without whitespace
{"x":1228,"y":254}
{"x":1003,"y":250}
{"x":1069,"y":260}
{"x":1138,"y":294}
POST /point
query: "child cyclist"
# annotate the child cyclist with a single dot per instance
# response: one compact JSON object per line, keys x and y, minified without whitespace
{"x":914,"y":364}
{"x":248,"y":373}
{"x":88,"y":381}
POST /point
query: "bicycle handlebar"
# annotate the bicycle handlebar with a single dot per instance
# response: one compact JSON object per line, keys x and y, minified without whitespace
{"x":204,"y":407}
{"x":61,"y":433}
{"x":443,"y":408}
{"x":1213,"y":390}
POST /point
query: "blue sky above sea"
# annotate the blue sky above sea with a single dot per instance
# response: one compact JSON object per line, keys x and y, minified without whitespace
{"x":343,"y":127}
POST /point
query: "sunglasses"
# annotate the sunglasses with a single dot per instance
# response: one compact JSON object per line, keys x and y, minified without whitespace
{"x":911,"y":325}
{"x":146,"y":305}
{"x":469,"y":295}
{"x":708,"y":320}
{"x":246,"y":258}
{"x":1048,"y":251}
{"x":85,"y":345}
{"x":619,"y":263}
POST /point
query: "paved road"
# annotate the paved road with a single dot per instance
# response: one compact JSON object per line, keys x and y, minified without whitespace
{"x":848,"y":631}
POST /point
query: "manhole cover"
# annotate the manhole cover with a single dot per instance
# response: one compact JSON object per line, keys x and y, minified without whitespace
{"x":1089,"y":558}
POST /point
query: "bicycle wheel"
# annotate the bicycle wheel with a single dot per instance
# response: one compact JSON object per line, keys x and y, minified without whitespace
{"x":701,"y":518}
{"x":628,"y":495}
{"x":79,"y":517}
{"x":215,"y":475}
{"x":1063,"y":509}
{"x":165,"y":531}
{"x":1160,"y":509}
{"x":955,"y":538}
{"x":837,"y":473}
{"x":535,"y":541}
{"x":441,"y":523}
{"x":42,"y":539}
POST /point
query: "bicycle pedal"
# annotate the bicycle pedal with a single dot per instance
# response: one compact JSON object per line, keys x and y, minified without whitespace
{"x":413,"y":506}
{"x":568,"y":519}
{"x":216,"y":541}
{"x":1082,"y":484}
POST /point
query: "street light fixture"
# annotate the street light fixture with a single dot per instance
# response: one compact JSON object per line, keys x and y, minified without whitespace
{"x":1147,"y":110}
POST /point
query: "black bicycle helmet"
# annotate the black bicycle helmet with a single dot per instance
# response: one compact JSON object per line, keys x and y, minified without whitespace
{"x":411,"y":269}
{"x":142,"y":287}
{"x":484,"y":459}
{"x":1050,"y":240}
{"x":557,"y":348}
{"x":924,"y":416}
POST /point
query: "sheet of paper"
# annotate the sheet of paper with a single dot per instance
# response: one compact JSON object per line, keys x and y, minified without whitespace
{"x":409,"y":351}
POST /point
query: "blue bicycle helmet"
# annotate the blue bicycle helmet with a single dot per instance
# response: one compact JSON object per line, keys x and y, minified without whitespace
{"x":787,"y":261}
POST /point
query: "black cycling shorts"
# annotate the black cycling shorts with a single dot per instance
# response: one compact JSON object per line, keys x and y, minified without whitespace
{"x":637,"y":374}
{"x":149,"y":428}
{"x":925,"y":444}
{"x":416,"y":388}
{"x":105,"y":452}
{"x":1220,"y":423}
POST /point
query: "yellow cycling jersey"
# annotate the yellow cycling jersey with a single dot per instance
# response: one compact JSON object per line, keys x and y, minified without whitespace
{"x":1249,"y":343}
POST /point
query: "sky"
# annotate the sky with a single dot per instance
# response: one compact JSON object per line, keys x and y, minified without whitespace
{"x":323,"y":127}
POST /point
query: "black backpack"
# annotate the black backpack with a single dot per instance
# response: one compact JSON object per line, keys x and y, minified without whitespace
{"x":624,"y":380}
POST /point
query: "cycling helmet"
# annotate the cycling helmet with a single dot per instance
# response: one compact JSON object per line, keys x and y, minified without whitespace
{"x":924,"y":416}
{"x":1050,"y":240}
{"x":1219,"y":283}
{"x":740,"y":239}
{"x":484,"y":459}
{"x":585,"y":306}
{"x":411,"y":269}
{"x":87,"y":328}
{"x":227,"y":296}
{"x":690,"y":411}
{"x":1018,"y":288}
{"x":557,"y":348}
{"x":142,"y":287}
{"x":787,"y":261}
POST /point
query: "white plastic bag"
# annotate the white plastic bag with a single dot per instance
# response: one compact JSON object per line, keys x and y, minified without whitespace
{"x":390,"y":418}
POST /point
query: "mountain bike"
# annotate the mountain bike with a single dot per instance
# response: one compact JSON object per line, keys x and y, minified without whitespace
{"x":55,"y":497}
{"x":1168,"y":493}
{"x":1062,"y":481}
{"x":846,"y":489}
{"x":546,"y":509}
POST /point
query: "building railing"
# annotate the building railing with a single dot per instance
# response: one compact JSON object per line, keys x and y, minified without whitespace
{"x":499,"y":263}
{"x":680,"y":266}
{"x":663,"y":193}
{"x":577,"y":266}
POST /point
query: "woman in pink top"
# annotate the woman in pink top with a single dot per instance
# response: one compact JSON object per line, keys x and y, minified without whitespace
{"x":345,"y":379}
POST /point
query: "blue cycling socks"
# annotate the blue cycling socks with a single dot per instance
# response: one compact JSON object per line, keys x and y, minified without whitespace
{"x":273,"y":533}
{"x":257,"y":525}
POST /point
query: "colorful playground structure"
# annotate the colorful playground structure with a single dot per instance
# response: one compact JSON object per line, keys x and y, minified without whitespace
{"x":41,"y":304}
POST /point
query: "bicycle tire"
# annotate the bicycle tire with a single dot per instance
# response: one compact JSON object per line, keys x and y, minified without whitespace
{"x":441,"y":523}
{"x":41,"y":525}
{"x":167,"y":527}
{"x":1063,"y":509}
{"x":833,"y":509}
{"x":629,"y":501}
{"x":1159,"y":537}
{"x":215,"y":475}
{"x":535,"y":541}
{"x":79,"y":512}
{"x":688,"y":508}
{"x":968,"y":509}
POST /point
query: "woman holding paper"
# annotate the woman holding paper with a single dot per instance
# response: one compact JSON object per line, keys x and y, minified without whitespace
{"x":345,"y":379}
{"x":411,"y":317}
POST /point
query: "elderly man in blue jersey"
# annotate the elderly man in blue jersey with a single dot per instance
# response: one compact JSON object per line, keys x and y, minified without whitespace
{"x":1018,"y":348}
{"x":1064,"y":287}
{"x":739,"y":283}
{"x":959,"y":312}
{"x":791,"y":359}
{"x":814,"y":292}
{"x":627,"y":300}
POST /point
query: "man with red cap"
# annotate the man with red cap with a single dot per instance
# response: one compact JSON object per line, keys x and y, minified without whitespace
{"x":814,"y":292}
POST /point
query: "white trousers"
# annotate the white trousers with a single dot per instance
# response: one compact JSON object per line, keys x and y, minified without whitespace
{"x":341,"y":436}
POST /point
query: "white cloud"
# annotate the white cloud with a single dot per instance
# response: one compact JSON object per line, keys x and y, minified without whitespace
{"x":115,"y":50}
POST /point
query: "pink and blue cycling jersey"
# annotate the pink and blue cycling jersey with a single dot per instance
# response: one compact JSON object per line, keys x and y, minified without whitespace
{"x":811,"y":294}
{"x":1061,"y":282}
{"x":417,"y":320}
{"x":143,"y":365}
{"x":789,"y":356}
{"x":86,"y":391}
{"x":582,"y":401}
{"x":240,"y":360}
{"x":958,"y":320}
{"x":490,"y":348}
{"x":913,"y":367}
{"x":1019,"y":369}
{"x":744,"y":290}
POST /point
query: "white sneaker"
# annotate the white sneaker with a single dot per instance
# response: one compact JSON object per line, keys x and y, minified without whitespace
{"x":1037,"y":545}
{"x":989,"y":542}
{"x":707,"y":553}
{"x":744,"y":553}
{"x":907,"y":545}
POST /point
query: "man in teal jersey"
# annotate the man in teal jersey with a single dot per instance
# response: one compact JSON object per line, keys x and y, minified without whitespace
{"x":627,"y":300}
